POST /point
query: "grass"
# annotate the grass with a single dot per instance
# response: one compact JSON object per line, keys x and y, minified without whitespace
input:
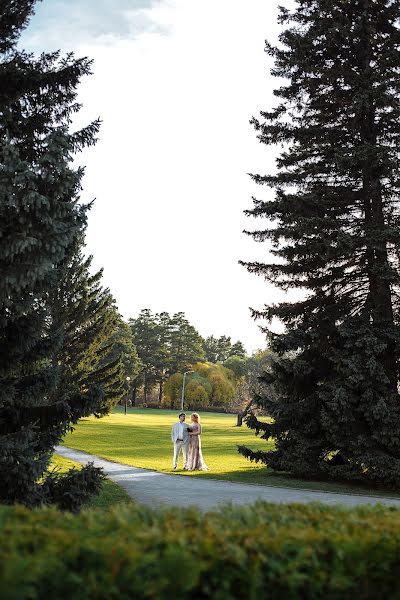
{"x":111,"y":494}
{"x":142,"y":439}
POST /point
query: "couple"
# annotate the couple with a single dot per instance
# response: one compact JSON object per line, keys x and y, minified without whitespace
{"x":187,"y":439}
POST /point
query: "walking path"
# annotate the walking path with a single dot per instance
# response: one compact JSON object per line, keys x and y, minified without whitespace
{"x":157,"y":489}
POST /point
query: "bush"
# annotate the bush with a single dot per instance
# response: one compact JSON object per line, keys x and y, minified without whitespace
{"x":264,"y":551}
{"x":72,"y":490}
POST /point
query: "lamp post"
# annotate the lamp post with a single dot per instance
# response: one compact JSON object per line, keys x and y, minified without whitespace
{"x":183,"y":387}
{"x":127,"y":392}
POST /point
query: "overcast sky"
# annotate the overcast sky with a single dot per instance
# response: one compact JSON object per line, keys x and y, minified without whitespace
{"x":175,"y":83}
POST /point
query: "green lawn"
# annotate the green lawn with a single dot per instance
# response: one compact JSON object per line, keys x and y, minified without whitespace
{"x":111,"y":493}
{"x":142,"y":438}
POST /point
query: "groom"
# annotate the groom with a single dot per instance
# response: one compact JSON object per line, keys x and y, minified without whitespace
{"x":180,"y":439}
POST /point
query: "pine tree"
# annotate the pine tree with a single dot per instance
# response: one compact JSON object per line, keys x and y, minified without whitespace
{"x":162,"y":356}
{"x":40,"y":223}
{"x":237,"y":349}
{"x":210,"y":347}
{"x":334,"y":227}
{"x":146,"y":340}
{"x":186,"y":345}
{"x":219,"y":349}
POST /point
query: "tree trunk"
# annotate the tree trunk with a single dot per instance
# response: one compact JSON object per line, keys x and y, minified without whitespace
{"x":134,"y":391}
{"x":239,"y":420}
{"x":160,"y":392}
{"x":144,"y":389}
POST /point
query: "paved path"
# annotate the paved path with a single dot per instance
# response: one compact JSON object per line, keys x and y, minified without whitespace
{"x":156,"y":489}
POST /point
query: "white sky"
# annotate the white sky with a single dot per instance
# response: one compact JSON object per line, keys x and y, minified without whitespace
{"x":175,"y":87}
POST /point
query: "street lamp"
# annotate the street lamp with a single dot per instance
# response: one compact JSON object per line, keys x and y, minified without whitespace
{"x":183,"y":387}
{"x":126,"y":397}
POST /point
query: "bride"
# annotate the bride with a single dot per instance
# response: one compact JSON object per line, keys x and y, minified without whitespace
{"x":195,"y":460}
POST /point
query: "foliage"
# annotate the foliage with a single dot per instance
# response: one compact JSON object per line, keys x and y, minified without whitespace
{"x":165,"y":345}
{"x":222,"y":383}
{"x":74,"y":489}
{"x":209,"y":385}
{"x":199,"y":390}
{"x":146,"y":337}
{"x":236,"y":364}
{"x":334,"y":229}
{"x":173,"y":389}
{"x":237,"y":349}
{"x":185,"y":344}
{"x":293,"y":551}
{"x":220,"y":349}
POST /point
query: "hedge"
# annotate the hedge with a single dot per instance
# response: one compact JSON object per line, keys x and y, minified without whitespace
{"x":264,"y":551}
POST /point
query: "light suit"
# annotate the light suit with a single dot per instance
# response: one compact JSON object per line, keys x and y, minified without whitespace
{"x":180,"y":443}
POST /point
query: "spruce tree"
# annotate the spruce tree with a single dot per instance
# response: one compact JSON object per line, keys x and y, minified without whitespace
{"x":333,"y":226}
{"x":41,"y":221}
{"x":94,"y":349}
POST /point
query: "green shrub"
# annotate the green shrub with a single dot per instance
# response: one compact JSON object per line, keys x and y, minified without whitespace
{"x":264,"y":551}
{"x":73,"y":489}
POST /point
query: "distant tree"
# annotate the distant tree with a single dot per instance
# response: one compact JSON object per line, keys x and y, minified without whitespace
{"x":165,"y":345}
{"x":336,"y":235}
{"x":237,"y":349}
{"x":197,"y":392}
{"x":224,"y":348}
{"x":242,"y":401}
{"x":219,"y":349}
{"x":237,"y":364}
{"x":41,"y":222}
{"x":145,"y":333}
{"x":185,"y":344}
{"x":173,"y":390}
{"x":249,"y":385}
{"x":222,"y":382}
{"x":162,"y":357}
{"x":209,"y":385}
{"x":223,"y":385}
{"x":210,"y":347}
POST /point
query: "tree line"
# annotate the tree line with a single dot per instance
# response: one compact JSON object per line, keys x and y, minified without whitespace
{"x":167,"y":346}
